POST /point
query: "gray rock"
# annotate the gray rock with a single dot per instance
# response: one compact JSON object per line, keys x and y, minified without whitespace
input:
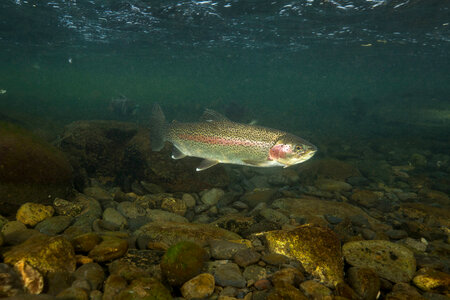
{"x":54,"y":225}
{"x":229,"y":275}
{"x":246,"y":257}
{"x":212,"y":196}
{"x":274,"y":216}
{"x":333,"y":219}
{"x":396,"y":234}
{"x":222,"y":249}
{"x":92,"y":273}
{"x":189,"y":200}
{"x":254,"y":273}
{"x":113,"y":216}
{"x":97,"y":193}
{"x":158,"y":215}
{"x":364,"y":282}
{"x":130,"y":209}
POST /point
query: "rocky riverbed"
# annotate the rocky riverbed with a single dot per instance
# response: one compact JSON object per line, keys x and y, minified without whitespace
{"x":366,"y":221}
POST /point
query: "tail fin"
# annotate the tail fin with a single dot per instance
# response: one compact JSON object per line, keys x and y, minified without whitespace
{"x":158,"y":127}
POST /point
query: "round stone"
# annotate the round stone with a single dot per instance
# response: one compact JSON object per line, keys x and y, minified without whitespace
{"x":199,"y":287}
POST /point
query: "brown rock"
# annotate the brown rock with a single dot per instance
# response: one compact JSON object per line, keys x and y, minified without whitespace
{"x":365,"y":198}
{"x":201,"y":286}
{"x":317,"y":248}
{"x":110,"y":248}
{"x":290,"y":276}
{"x":286,"y":292}
{"x":315,"y":290}
{"x":86,"y":242}
{"x":30,"y":169}
{"x":171,"y":233}
{"x":113,"y":285}
{"x":364,"y":281}
{"x":174,"y":205}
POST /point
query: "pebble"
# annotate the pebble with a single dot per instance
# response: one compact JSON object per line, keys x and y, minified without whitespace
{"x":111,"y":215}
{"x":414,"y":244}
{"x":130,"y":209}
{"x":54,"y":225}
{"x":262,"y":284}
{"x":176,"y":206}
{"x":67,"y":208}
{"x":314,"y":290}
{"x":201,"y":286}
{"x":158,"y":215}
{"x":212,"y":196}
{"x":331,"y":185}
{"x":229,"y":275}
{"x":98,"y":193}
{"x":239,"y":205}
{"x":223,"y":249}
{"x":389,"y":260}
{"x":365,"y":198}
{"x":275,"y":259}
{"x":254,"y":273}
{"x":74,"y":293}
{"x":257,"y":196}
{"x":333,"y":219}
{"x":364,"y":281}
{"x":33,"y":213}
{"x":274,"y":216}
{"x":93,"y":273}
{"x":113,"y":285}
{"x":290,"y":276}
{"x":110,"y":248}
{"x":396,"y":234}
{"x":246,"y":257}
{"x":430,"y":280}
{"x":189,"y":200}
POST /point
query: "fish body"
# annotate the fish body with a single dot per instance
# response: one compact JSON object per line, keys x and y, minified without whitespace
{"x":219,"y":140}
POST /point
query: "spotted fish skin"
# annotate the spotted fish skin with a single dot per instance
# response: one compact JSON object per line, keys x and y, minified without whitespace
{"x":219,"y":140}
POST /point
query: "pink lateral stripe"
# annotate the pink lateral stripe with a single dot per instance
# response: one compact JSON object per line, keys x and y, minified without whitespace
{"x":218,"y":140}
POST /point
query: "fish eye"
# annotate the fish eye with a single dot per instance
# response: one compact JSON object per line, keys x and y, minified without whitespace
{"x":298,"y":148}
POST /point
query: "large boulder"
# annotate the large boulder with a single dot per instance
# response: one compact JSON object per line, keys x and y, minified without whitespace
{"x":120,"y":153}
{"x":31,"y":170}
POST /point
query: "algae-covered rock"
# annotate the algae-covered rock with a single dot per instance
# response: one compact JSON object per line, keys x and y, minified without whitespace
{"x":33,"y":213}
{"x":30,"y":169}
{"x":182,"y":262}
{"x":171,"y":233}
{"x":286,"y":292}
{"x":85,"y":242}
{"x":46,"y":254}
{"x":431,"y":280}
{"x":389,"y":260}
{"x":317,"y":248}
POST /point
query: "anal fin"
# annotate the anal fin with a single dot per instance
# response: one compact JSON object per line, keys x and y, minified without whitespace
{"x":177,"y":154}
{"x":206,"y":164}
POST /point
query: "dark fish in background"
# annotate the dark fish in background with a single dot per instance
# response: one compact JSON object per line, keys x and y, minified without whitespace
{"x":219,"y":140}
{"x":123,"y":107}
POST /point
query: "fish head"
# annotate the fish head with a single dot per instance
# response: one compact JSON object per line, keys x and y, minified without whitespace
{"x":290,"y":150}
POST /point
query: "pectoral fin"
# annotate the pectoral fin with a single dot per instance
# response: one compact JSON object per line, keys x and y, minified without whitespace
{"x":177,"y":154}
{"x":205,"y":164}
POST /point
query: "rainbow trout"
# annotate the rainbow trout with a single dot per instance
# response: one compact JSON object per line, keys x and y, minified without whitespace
{"x":219,"y":140}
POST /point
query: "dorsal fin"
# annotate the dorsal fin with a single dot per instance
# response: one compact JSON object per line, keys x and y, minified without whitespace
{"x":210,"y":115}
